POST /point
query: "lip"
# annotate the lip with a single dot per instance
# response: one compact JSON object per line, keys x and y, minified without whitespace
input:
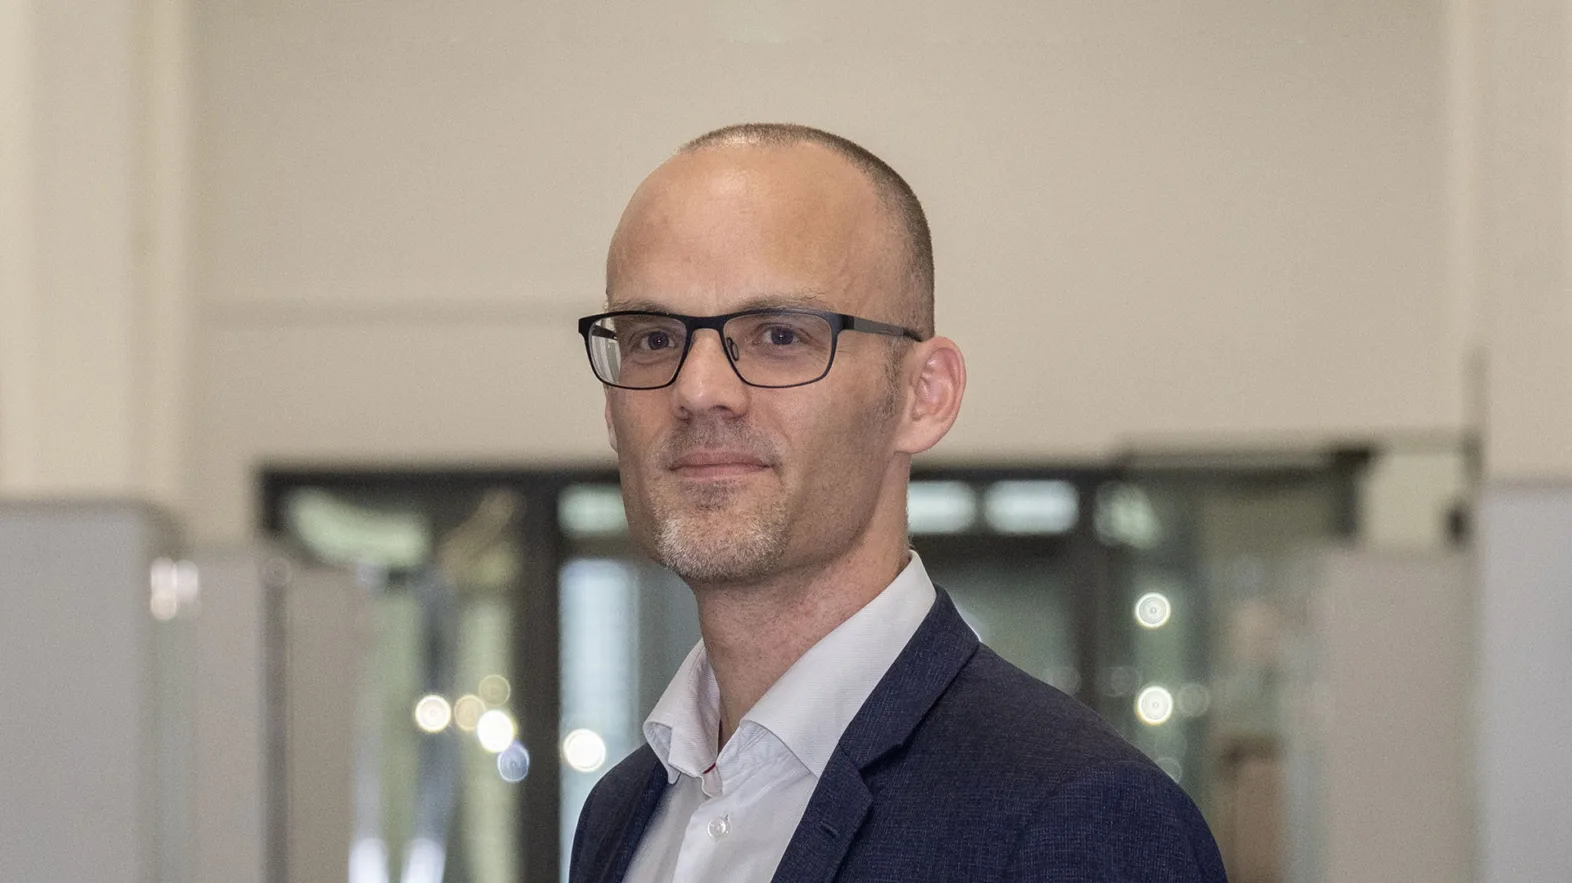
{"x":717,"y":464}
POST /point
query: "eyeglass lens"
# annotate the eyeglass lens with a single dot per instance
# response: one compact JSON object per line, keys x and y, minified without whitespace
{"x":768,"y":349}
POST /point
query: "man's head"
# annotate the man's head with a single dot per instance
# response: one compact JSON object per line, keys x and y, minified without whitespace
{"x":729,"y":483}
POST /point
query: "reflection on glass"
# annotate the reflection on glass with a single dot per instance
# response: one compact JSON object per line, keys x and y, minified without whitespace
{"x":341,"y":531}
{"x":940,"y":507}
{"x":368,"y":861}
{"x":175,"y":589}
{"x":425,"y":860}
{"x":1027,"y":507}
{"x":590,"y":510}
{"x":1126,"y":516}
{"x":423,"y":863}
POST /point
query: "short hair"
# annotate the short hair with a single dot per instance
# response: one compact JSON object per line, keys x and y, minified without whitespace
{"x":897,"y":197}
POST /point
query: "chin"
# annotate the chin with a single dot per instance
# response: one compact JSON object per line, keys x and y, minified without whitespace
{"x":720,"y":549}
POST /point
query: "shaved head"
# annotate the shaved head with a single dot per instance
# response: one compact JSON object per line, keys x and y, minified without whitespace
{"x":904,"y":215}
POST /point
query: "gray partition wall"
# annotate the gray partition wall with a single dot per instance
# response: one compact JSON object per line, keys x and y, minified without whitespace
{"x":280,"y":651}
{"x":91,"y":781}
{"x":1524,"y":684}
{"x":1379,"y":678}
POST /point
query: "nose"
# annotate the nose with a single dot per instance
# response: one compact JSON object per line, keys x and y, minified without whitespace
{"x":707,"y":380}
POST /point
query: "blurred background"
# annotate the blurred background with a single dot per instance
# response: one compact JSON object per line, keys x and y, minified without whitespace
{"x":312,"y":561}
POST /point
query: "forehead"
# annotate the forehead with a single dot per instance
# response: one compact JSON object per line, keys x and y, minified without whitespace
{"x":733,"y":226}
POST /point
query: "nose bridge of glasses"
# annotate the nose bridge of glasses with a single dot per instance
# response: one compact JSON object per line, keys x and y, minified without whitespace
{"x":695,"y":341}
{"x":700,"y":365}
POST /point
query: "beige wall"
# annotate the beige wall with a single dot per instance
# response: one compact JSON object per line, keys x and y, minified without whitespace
{"x":1525,"y":236}
{"x":93,"y":215}
{"x":1205,"y":223}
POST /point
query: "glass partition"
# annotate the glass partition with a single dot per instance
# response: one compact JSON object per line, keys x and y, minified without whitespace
{"x":522,"y":638}
{"x":438,"y":756}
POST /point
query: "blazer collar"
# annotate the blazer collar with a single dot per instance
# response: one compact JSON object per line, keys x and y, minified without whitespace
{"x":943,"y":644}
{"x":919,"y":676}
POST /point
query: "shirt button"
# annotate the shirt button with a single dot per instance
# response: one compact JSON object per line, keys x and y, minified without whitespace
{"x":720,"y":827}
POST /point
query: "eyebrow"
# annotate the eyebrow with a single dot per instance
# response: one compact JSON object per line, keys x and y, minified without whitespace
{"x":772,"y":301}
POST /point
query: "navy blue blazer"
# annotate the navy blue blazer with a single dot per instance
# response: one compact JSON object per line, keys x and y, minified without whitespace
{"x":959,"y":768}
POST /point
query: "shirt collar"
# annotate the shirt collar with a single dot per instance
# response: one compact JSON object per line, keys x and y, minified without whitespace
{"x":810,"y":706}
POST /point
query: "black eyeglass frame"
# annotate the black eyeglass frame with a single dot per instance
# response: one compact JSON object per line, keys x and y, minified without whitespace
{"x":838,"y":322}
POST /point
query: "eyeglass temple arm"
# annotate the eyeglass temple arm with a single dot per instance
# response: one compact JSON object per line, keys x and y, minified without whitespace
{"x":872,"y":327}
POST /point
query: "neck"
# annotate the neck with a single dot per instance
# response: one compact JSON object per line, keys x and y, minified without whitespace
{"x":754,"y":633}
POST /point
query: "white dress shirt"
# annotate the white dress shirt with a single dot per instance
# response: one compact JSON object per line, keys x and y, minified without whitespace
{"x":727,"y":818}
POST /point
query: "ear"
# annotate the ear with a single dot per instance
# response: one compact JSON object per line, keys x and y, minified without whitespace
{"x":611,"y":428}
{"x":933,"y":395}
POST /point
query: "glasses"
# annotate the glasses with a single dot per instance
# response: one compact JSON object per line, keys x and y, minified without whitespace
{"x":773,"y":348}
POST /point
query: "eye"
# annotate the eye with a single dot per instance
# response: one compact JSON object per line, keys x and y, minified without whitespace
{"x":781,"y":335}
{"x":653,"y":341}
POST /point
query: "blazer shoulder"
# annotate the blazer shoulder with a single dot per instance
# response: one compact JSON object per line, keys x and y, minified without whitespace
{"x":1014,"y":754}
{"x":1025,"y":724}
{"x":1118,"y":821}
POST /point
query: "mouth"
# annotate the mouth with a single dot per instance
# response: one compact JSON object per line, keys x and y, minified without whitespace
{"x":711,"y":465}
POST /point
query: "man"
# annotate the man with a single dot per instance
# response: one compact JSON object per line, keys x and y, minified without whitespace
{"x":770,"y":369}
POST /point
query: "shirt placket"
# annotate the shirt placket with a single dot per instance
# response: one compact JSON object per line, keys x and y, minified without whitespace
{"x":705,"y":853}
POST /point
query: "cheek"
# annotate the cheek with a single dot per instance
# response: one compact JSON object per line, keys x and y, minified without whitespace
{"x":635,"y":444}
{"x":842,"y":448}
{"x":628,"y":420}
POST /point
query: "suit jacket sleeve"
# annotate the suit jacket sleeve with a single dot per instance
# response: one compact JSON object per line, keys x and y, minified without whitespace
{"x":1124,"y":821}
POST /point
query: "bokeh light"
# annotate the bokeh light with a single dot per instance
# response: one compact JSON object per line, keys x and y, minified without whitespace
{"x":584,"y":750}
{"x":513,"y":763}
{"x":1152,"y":610}
{"x":467,"y":711}
{"x":1193,"y":700}
{"x":433,"y":714}
{"x":1154,"y":705}
{"x":495,"y":690}
{"x":495,"y":730}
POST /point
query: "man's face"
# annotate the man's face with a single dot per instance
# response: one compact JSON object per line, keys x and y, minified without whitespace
{"x":727,"y":483}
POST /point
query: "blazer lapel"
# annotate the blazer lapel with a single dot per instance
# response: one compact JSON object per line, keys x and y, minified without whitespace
{"x":614,"y":852}
{"x":933,"y":657}
{"x":839,"y":805}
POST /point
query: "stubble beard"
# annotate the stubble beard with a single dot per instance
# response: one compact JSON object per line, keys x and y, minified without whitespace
{"x":710,"y":542}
